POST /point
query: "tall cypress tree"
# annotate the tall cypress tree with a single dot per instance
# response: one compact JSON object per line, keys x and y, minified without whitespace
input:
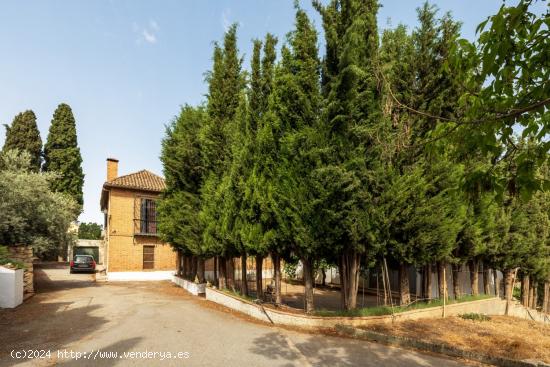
{"x":179,"y":206}
{"x":242,"y":213}
{"x":224,"y":97}
{"x":23,"y":135}
{"x":294,"y":120}
{"x":353,"y":127}
{"x":62,"y":154}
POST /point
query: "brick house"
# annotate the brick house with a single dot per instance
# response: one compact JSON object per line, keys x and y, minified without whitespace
{"x":133,"y":250}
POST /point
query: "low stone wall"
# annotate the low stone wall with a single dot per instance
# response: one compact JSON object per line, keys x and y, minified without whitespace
{"x":24,"y":255}
{"x":491,"y":306}
{"x":518,"y":310}
{"x":191,"y":287}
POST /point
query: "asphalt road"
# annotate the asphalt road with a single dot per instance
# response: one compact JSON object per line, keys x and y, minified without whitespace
{"x":127,"y":324}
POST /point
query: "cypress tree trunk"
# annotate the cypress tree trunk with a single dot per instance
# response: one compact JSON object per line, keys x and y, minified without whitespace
{"x":497,"y":283}
{"x":216,"y":271}
{"x":525,"y":290}
{"x":508,"y":287}
{"x":308,"y":286}
{"x":486,"y":278}
{"x":404,"y":288}
{"x":194,"y":263}
{"x":185,"y":269}
{"x":230,"y":274}
{"x":429,"y":281}
{"x":324,"y":277}
{"x":343,"y":285}
{"x":546,"y":298}
{"x":244,"y":282}
{"x":189,"y":266}
{"x":222,"y":272}
{"x":277,"y":275}
{"x":536,"y":295}
{"x":456,"y":285}
{"x":441,"y":282}
{"x":474,"y":277}
{"x":351,"y":262}
{"x":532,"y":295}
{"x":259,"y":277}
{"x":200,"y":270}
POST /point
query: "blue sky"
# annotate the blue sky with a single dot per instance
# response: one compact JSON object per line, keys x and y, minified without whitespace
{"x":125,"y":67}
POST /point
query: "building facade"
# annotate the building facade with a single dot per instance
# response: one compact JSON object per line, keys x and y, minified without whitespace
{"x":133,"y":248}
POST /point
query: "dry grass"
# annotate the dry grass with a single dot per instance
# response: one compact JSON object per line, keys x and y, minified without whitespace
{"x":501,"y":336}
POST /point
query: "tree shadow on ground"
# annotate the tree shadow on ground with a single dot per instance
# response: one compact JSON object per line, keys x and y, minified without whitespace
{"x":38,"y":325}
{"x":321,"y":350}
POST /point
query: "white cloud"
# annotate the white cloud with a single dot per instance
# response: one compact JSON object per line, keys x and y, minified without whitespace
{"x":148,"y":33}
{"x":149,"y":37}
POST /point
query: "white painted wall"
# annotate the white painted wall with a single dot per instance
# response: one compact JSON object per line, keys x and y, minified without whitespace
{"x":11,"y":287}
{"x":131,"y":276}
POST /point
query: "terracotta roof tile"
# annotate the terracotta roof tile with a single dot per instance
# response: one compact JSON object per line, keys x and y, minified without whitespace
{"x":142,"y":180}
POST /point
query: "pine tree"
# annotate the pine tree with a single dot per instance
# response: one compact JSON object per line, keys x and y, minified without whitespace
{"x":23,"y":135}
{"x":62,"y":154}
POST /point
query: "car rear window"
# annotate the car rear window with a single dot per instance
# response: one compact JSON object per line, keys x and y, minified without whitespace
{"x":83,"y":259}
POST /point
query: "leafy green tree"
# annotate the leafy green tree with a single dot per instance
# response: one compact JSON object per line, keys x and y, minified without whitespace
{"x":89,"y":231}
{"x":30,"y":213}
{"x":62,"y":154}
{"x":510,"y":58}
{"x":23,"y":135}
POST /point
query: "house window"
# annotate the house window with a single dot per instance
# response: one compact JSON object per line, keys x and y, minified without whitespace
{"x":148,"y":217}
{"x":148,"y":257}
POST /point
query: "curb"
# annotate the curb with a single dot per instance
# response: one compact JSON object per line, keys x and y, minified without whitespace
{"x":434,"y":347}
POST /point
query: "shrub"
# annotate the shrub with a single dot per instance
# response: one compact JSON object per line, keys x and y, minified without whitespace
{"x":474,"y":316}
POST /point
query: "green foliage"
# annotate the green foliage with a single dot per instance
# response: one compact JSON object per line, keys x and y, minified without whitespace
{"x":62,"y":154}
{"x":226,"y":83}
{"x":89,"y":231}
{"x":23,"y":135}
{"x":294,"y":117}
{"x":179,"y":207}
{"x":474,"y":316}
{"x":510,"y":58}
{"x":30,"y":213}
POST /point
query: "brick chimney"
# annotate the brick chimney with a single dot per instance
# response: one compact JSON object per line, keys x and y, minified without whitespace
{"x":112,"y":169}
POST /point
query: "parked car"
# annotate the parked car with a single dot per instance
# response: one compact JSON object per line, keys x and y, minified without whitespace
{"x":82,"y":263}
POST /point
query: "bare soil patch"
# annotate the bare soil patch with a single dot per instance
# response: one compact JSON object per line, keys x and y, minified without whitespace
{"x":501,"y":336}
